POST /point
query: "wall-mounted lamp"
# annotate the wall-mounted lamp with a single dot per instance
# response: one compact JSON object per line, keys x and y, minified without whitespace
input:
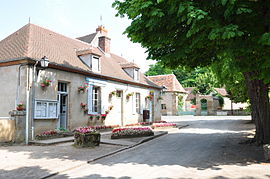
{"x":44,"y":62}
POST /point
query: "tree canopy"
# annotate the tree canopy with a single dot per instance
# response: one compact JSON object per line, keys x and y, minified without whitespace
{"x":201,"y":77}
{"x":200,"y":33}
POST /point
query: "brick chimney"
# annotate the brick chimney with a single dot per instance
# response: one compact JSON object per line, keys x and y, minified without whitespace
{"x":103,"y":40}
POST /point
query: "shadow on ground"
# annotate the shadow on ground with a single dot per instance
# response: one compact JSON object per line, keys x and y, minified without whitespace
{"x":205,"y":144}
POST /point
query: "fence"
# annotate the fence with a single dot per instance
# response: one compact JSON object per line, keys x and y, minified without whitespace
{"x":7,"y":129}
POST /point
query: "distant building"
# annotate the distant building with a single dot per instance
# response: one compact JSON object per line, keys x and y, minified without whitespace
{"x":173,"y":97}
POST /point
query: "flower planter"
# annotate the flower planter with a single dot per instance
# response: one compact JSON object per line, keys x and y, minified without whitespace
{"x":119,"y":133}
{"x":20,"y":108}
{"x":266,"y":148}
{"x":86,"y":139}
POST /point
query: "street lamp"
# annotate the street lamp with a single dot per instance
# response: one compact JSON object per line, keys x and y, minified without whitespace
{"x":44,"y":62}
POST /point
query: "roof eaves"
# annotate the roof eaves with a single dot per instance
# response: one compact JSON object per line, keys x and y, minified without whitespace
{"x":79,"y":70}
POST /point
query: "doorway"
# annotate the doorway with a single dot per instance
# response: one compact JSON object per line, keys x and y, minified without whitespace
{"x":62,"y":105}
{"x":119,"y":107}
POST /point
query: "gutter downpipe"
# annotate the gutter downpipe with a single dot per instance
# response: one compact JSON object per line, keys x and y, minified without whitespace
{"x":33,"y":101}
{"x":27,"y":107}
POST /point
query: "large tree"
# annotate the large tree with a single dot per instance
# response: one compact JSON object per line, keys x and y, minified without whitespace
{"x":201,"y":32}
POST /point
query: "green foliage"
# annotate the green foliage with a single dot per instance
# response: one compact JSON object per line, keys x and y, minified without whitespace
{"x":194,"y":33}
{"x":228,"y":75}
{"x":201,"y":77}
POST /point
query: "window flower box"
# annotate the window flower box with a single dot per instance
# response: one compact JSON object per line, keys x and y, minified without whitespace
{"x":86,"y":137}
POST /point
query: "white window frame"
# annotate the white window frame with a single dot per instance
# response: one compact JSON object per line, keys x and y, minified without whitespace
{"x":136,"y":74}
{"x":97,"y":69}
{"x":91,"y":100}
{"x":98,"y":99}
{"x":55,"y":102}
{"x":138,"y":103}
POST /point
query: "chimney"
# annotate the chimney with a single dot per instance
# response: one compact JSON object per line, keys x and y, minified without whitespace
{"x":103,"y":40}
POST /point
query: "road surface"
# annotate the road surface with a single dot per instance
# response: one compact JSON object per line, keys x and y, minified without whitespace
{"x":208,"y":148}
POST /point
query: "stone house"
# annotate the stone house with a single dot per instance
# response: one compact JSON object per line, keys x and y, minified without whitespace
{"x":82,"y":81}
{"x":173,"y":96}
{"x":211,"y":105}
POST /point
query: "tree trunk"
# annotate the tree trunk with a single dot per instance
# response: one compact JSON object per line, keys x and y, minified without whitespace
{"x":259,"y":100}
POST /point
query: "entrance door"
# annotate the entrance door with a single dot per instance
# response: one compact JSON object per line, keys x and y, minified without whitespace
{"x":62,"y":105}
{"x":119,"y":107}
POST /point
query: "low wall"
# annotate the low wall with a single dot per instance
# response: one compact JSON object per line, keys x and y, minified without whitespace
{"x":7,"y":130}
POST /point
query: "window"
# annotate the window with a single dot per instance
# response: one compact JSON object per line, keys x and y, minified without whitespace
{"x":136,"y":74}
{"x":118,"y":94}
{"x":91,"y":61}
{"x":95,"y":64}
{"x":95,"y":103}
{"x":163,"y":106}
{"x":45,"y":109}
{"x":62,"y":87}
{"x":138,"y":102}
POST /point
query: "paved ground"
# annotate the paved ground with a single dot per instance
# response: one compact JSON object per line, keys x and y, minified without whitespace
{"x":20,"y":162}
{"x":208,"y":148}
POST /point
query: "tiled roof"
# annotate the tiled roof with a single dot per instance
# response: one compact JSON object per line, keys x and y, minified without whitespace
{"x":128,"y":65}
{"x":169,"y":81}
{"x":87,"y":38}
{"x":221,"y":91}
{"x":35,"y":42}
{"x":190,"y":94}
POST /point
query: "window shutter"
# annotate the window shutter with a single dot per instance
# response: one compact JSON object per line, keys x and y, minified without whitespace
{"x":90,"y":99}
{"x":102,"y":101}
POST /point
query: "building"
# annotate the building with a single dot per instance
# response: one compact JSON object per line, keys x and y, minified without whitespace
{"x":173,"y":97}
{"x":209,"y":104}
{"x":82,"y":81}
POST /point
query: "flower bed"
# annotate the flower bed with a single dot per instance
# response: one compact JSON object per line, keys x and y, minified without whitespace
{"x":128,"y":132}
{"x":86,"y":137}
{"x":145,"y":123}
{"x":163,"y":125}
{"x":53,"y":134}
{"x":101,"y":127}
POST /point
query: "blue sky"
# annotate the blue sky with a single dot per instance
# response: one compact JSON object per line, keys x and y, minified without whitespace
{"x":72,"y":18}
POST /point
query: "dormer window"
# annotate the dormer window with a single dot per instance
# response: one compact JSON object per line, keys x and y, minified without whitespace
{"x":136,"y":75}
{"x":91,"y":58}
{"x":95,"y":64}
{"x":132,"y":70}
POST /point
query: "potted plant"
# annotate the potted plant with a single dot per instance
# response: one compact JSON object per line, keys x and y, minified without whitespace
{"x":45,"y":82}
{"x":129,"y":95}
{"x":83,"y":105}
{"x":97,"y":117}
{"x":103,"y":116}
{"x":91,"y":117}
{"x":82,"y":88}
{"x":20,"y":107}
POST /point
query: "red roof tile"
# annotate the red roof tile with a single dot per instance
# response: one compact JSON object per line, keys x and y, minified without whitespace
{"x":169,"y":81}
{"x":35,"y":42}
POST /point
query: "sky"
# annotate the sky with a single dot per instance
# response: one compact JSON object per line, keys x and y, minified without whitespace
{"x":73,"y":18}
